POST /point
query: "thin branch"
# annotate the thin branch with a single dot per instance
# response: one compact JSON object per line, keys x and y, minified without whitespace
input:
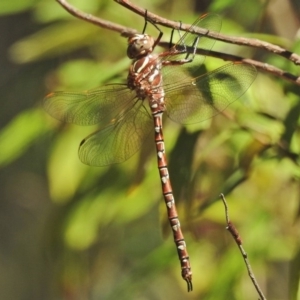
{"x":126,"y":32}
{"x":293,"y":57}
{"x":237,"y":238}
{"x":235,"y":58}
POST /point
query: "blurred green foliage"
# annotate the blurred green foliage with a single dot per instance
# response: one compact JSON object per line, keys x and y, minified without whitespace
{"x":97,"y":232}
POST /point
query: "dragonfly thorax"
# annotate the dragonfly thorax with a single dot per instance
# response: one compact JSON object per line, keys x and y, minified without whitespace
{"x":139,"y":45}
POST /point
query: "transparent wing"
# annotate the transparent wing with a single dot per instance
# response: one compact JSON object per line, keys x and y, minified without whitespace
{"x":118,"y":141}
{"x":211,"y":22}
{"x":90,"y":107}
{"x":192,"y":100}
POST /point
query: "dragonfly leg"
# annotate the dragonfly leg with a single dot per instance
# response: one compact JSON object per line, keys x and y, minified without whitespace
{"x":194,"y":47}
{"x":145,"y":26}
{"x":172,"y":34}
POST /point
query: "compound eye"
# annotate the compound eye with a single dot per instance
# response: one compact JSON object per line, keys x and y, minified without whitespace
{"x":139,"y":46}
{"x":146,"y":45}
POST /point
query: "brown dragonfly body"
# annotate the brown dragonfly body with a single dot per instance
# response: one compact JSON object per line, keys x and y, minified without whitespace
{"x":169,"y":82}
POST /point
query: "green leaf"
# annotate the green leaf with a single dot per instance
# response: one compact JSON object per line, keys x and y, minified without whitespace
{"x":51,"y":41}
{"x":20,"y":133}
{"x":15,"y":6}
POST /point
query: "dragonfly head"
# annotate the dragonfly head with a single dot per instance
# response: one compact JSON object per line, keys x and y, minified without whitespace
{"x":139,"y":45}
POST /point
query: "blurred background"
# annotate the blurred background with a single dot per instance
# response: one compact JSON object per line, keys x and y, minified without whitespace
{"x":70,"y":231}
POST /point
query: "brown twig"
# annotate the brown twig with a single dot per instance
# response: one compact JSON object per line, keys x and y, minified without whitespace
{"x":295,"y":58}
{"x":259,"y":65}
{"x":125,"y":31}
{"x":237,"y":238}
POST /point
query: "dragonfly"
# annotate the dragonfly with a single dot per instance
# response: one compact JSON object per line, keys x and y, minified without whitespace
{"x":168,"y":82}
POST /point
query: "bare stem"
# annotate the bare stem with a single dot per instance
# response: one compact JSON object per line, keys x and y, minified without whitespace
{"x":237,"y":238}
{"x":295,"y":58}
{"x":125,"y":31}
